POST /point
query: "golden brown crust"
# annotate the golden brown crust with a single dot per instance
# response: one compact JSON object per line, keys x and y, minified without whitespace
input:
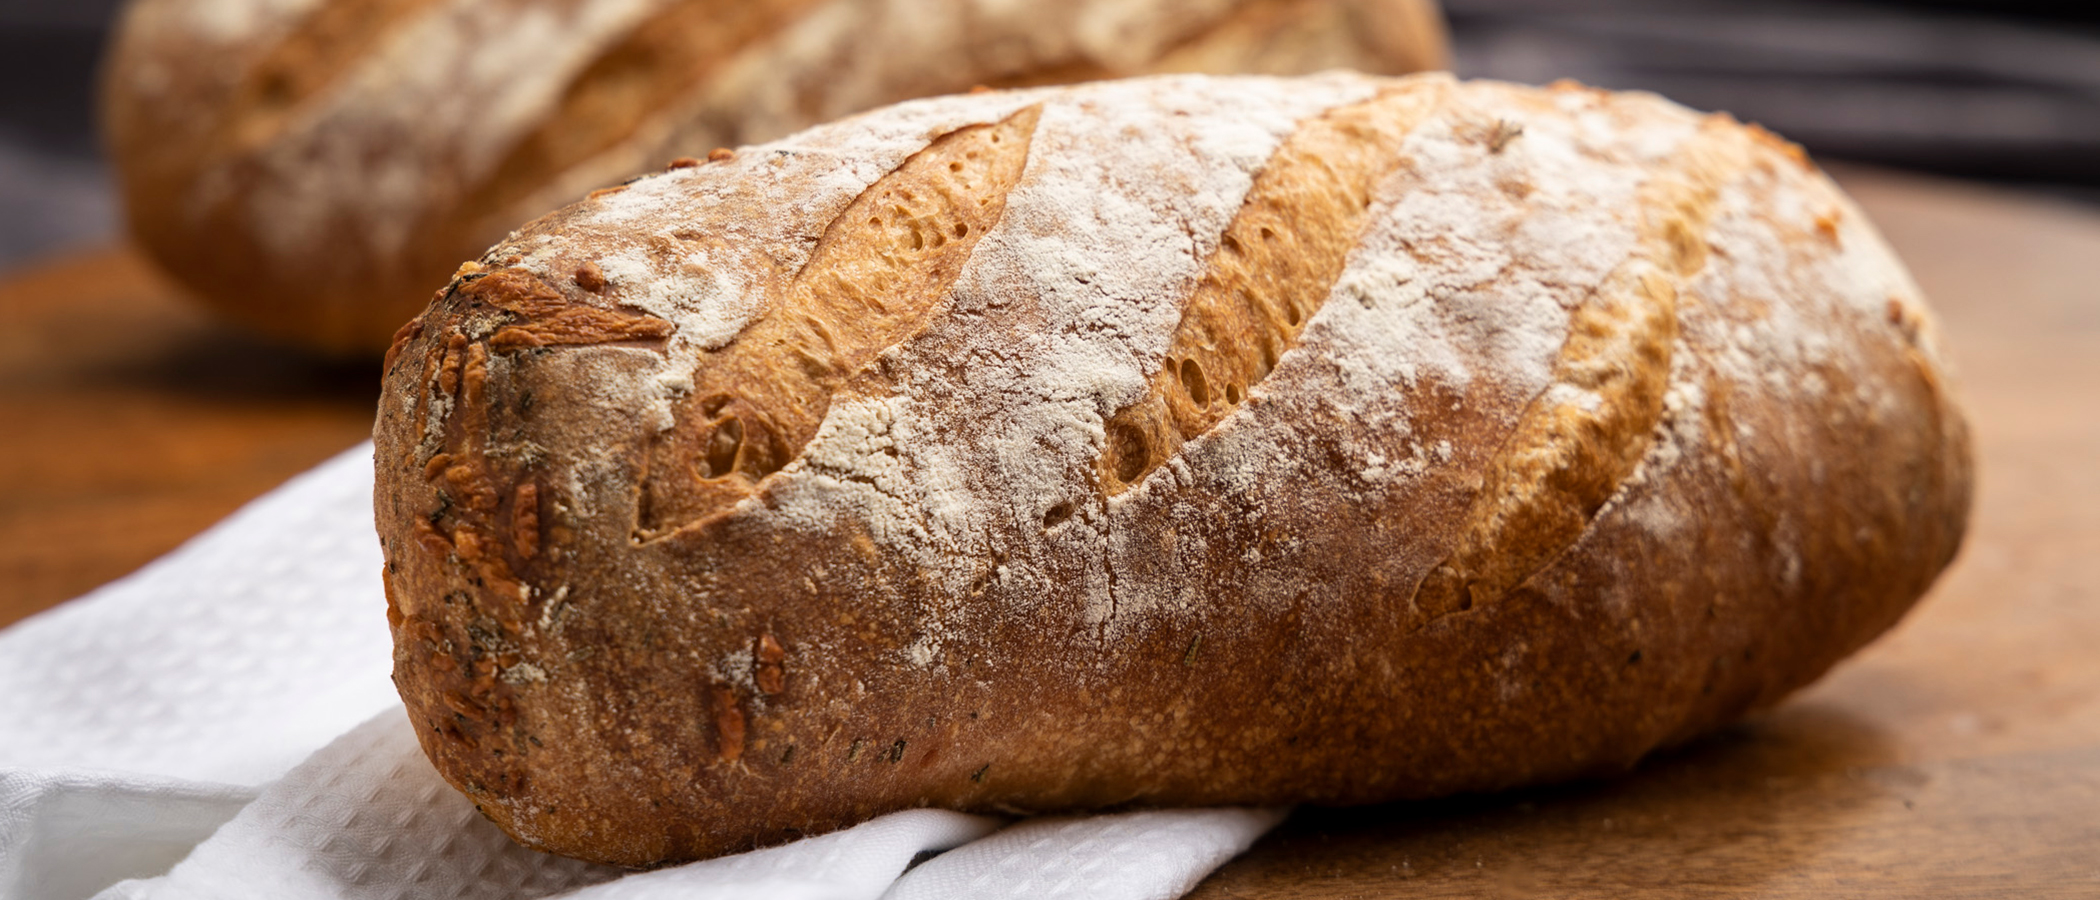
{"x":305,"y":60}
{"x":1576,"y":444}
{"x":310,"y":167}
{"x":1285,"y":37}
{"x":880,"y":271}
{"x":639,"y":76}
{"x":1613,"y":422}
{"x":1274,"y":267}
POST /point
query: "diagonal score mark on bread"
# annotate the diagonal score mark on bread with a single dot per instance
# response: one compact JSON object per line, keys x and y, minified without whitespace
{"x":325,"y":47}
{"x":653,"y":68}
{"x":880,"y":273}
{"x":1273,"y":269}
{"x":1577,"y":442}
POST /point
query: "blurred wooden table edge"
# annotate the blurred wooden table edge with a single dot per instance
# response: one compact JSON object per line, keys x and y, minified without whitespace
{"x":133,"y":422}
{"x":1959,"y":756}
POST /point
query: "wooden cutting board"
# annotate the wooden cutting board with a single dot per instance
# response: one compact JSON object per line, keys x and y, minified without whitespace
{"x":1957,"y":757}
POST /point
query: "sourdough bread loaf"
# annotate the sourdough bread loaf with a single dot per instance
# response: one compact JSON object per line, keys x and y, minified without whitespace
{"x":312,"y":167}
{"x":1179,"y":440}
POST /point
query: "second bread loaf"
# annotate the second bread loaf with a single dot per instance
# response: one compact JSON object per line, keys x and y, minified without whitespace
{"x":312,"y":167}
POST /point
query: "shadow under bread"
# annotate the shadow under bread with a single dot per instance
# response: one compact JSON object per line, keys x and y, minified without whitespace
{"x":1728,"y":811}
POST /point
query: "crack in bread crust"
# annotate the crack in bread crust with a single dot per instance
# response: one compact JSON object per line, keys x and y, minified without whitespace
{"x":1578,"y":441}
{"x":650,"y":70}
{"x":1271,"y":37}
{"x":545,"y":318}
{"x":1281,"y":36}
{"x":879,"y":275}
{"x":321,"y":50}
{"x":1273,"y":269}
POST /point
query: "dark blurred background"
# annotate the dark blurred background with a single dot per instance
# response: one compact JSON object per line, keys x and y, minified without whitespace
{"x":54,"y":190}
{"x":2006,"y":91}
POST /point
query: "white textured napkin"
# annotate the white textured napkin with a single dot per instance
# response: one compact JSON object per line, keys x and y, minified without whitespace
{"x":221,"y":724}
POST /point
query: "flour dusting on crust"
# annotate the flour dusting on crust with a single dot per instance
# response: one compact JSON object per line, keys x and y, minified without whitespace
{"x":1597,"y":423}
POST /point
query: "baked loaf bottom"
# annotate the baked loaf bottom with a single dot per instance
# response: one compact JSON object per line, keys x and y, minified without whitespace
{"x":311,"y":168}
{"x":1170,"y":441}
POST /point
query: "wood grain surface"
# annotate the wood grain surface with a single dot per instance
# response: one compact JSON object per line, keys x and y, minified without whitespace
{"x":129,"y":422}
{"x":1957,"y":757}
